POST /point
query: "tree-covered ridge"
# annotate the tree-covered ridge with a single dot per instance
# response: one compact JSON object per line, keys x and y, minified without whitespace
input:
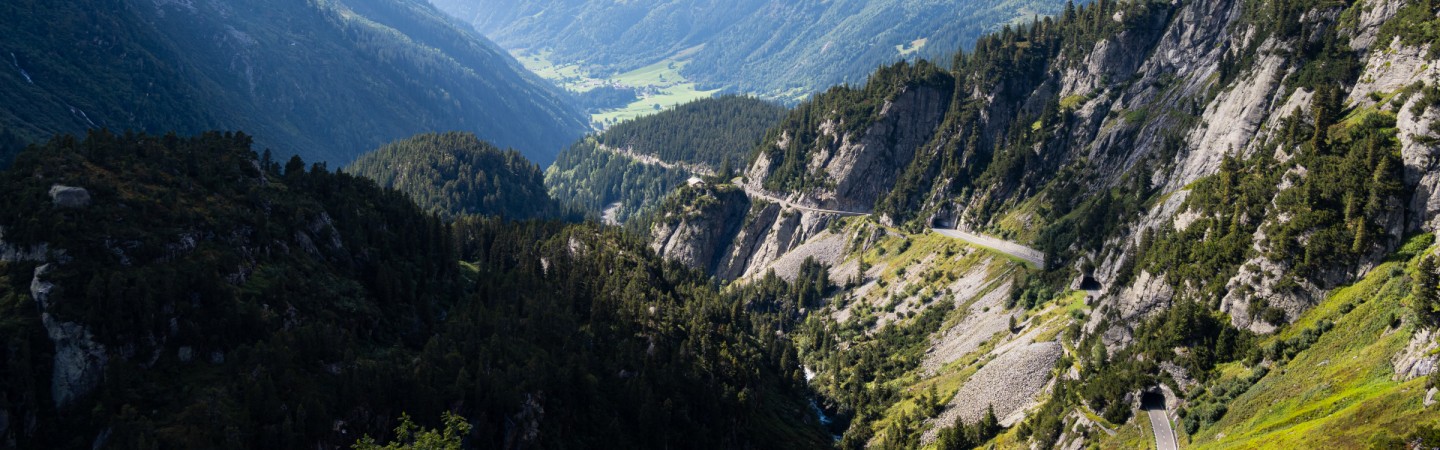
{"x":455,"y":174}
{"x":707,"y":136}
{"x":596,"y":179}
{"x":218,"y":299}
{"x":324,"y":79}
{"x":710,"y":132}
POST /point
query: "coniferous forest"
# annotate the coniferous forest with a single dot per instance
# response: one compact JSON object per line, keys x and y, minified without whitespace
{"x":631,"y":167}
{"x":455,"y":174}
{"x":294,"y":305}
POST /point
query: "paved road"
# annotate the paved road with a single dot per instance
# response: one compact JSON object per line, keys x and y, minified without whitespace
{"x":755,"y":192}
{"x":1164,"y":434}
{"x":1022,"y":252}
{"x":1028,"y":254}
{"x":651,"y":160}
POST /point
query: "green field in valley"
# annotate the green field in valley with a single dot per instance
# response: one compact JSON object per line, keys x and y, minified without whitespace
{"x":660,"y":85}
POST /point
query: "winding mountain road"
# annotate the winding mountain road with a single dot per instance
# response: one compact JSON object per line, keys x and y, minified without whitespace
{"x":652,"y":160}
{"x":1027,"y":254}
{"x":755,"y":192}
{"x":1013,"y":249}
{"x":1022,"y":252}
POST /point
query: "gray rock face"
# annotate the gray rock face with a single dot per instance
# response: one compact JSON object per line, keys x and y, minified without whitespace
{"x":79,"y":360}
{"x":1372,"y":16}
{"x":1391,"y":69}
{"x":699,"y":237}
{"x":69,"y":196}
{"x":1419,"y":150}
{"x":1229,"y":125}
{"x":862,"y":167}
{"x":789,"y":230}
{"x":1415,"y":360}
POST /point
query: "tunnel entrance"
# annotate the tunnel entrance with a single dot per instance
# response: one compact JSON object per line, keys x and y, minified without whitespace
{"x":1152,"y":400}
{"x":1089,"y":283}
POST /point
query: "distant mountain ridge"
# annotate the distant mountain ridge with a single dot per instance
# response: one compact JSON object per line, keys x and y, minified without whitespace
{"x":322,"y":78}
{"x":778,"y":49}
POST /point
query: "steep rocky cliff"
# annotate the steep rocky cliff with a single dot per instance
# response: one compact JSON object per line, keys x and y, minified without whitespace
{"x":1249,"y":157}
{"x":1157,"y":101}
{"x":846,"y":162}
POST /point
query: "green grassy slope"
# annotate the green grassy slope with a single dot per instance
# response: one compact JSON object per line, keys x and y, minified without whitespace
{"x":1339,"y":393}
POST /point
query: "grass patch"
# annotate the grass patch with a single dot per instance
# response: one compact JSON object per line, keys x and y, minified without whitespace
{"x":1073,"y":102}
{"x":912,"y":47}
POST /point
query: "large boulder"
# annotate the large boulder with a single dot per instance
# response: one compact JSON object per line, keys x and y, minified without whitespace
{"x":69,"y":196}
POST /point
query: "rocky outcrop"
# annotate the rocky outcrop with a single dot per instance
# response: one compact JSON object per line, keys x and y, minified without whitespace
{"x":1420,"y":149}
{"x":1373,"y":14}
{"x":861,"y":167}
{"x":700,"y":235}
{"x":790,"y":229}
{"x":79,"y":361}
{"x":826,"y":248}
{"x":1148,"y":294}
{"x":1416,"y":360}
{"x":1391,"y":69}
{"x":319,"y":237}
{"x":732,"y":236}
{"x":1112,"y":59}
{"x":864,"y":169}
{"x":1231,"y":122}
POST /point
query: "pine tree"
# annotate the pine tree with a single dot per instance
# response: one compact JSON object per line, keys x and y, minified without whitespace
{"x":1426,"y":301}
{"x":989,"y":425}
{"x":957,"y":437}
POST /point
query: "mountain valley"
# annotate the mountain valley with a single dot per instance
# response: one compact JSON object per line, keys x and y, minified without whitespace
{"x":1116,"y":224}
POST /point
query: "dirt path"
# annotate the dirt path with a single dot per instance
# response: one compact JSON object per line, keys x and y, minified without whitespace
{"x":1028,"y":254}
